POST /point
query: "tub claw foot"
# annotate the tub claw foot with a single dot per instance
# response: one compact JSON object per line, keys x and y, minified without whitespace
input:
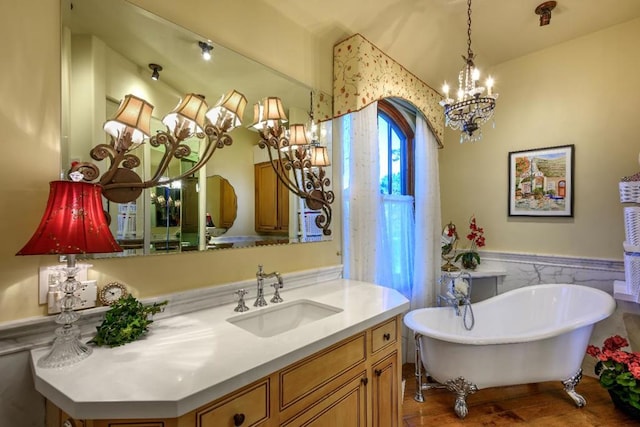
{"x":462,"y":388}
{"x":570,"y":387}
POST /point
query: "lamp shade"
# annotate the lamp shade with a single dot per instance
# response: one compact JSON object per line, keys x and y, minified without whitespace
{"x":229,"y":110}
{"x":320,"y":156}
{"x":257,"y":116}
{"x":273,"y":110}
{"x":133,"y":116}
{"x":73,"y":222}
{"x":190,"y":112}
{"x":297,"y":135}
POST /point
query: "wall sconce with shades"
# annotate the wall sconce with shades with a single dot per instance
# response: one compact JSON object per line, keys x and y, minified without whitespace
{"x":130,"y":126}
{"x":73,"y":223}
{"x":297,"y":159}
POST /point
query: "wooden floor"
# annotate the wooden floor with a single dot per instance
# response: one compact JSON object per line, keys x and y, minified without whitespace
{"x":544,"y":404}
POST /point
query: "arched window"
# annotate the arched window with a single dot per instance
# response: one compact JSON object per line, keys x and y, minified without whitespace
{"x":395,"y":138}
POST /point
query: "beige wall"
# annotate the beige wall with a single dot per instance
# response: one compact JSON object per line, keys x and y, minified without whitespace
{"x":584,"y":92}
{"x":30,"y":121}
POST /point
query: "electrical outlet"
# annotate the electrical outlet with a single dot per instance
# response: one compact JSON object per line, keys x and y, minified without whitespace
{"x":87,"y":292}
{"x":52,"y":274}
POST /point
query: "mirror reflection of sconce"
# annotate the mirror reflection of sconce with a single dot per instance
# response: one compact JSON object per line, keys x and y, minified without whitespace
{"x":297,"y":159}
{"x":130,"y":127}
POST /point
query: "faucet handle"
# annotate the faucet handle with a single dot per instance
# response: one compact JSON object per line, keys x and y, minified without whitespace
{"x":241,"y":307}
{"x":276,"y":295}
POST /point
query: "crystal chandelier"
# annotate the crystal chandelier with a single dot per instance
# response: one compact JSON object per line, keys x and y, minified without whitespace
{"x":471,"y":108}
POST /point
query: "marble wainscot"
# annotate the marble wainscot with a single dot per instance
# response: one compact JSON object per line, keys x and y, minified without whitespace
{"x":522,"y":270}
{"x":192,"y":357}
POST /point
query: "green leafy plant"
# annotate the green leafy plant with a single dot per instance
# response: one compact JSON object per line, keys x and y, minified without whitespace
{"x":126,"y":321}
{"x":618,"y":370}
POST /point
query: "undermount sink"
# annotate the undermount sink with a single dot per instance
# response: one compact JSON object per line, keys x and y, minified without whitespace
{"x":284,"y":317}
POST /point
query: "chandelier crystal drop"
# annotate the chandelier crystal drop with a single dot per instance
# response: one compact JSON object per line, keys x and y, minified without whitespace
{"x":472,"y":107}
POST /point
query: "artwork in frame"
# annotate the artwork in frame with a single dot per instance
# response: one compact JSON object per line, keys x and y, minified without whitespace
{"x":541,"y":182}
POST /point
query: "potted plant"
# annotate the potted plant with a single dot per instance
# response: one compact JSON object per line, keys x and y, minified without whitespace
{"x":619,"y":373}
{"x":470,"y":258}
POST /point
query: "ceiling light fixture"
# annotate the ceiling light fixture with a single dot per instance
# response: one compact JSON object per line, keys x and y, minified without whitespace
{"x":206,"y":50}
{"x":155,"y":75}
{"x":470,"y":109}
{"x":544,"y":10}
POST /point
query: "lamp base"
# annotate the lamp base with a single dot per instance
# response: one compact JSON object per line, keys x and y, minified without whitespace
{"x":67,"y":349}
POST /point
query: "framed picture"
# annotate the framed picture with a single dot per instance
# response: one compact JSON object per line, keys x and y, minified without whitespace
{"x":541,"y":182}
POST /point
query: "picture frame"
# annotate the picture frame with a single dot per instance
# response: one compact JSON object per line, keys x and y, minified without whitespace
{"x":541,"y":182}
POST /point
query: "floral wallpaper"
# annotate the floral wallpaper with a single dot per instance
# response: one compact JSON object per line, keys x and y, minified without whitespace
{"x":362,"y":74}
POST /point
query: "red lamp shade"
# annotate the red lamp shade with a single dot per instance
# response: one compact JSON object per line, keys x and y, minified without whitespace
{"x":73,"y":222}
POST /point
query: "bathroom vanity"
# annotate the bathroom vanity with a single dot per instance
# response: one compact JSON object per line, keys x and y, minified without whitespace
{"x":342,"y":364}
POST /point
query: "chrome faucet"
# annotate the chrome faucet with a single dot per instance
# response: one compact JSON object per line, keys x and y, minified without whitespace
{"x":260,"y":276}
{"x":458,"y":298}
{"x":454,"y":297}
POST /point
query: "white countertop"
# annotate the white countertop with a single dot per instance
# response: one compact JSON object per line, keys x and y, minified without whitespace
{"x":188,"y":360}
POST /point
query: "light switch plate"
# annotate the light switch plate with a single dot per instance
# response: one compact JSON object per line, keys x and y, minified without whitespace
{"x":46,"y":271}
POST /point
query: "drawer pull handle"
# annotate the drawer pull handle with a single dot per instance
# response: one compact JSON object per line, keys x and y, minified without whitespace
{"x":238,"y":419}
{"x":387,"y":336}
{"x":364,"y":381}
{"x":378,"y":372}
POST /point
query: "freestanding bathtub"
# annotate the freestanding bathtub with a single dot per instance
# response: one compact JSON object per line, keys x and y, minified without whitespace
{"x":527,"y":335}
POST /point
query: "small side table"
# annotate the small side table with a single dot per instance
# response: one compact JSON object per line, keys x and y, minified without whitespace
{"x":485,"y":281}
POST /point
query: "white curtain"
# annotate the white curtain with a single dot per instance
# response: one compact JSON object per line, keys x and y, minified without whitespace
{"x":361,"y":193}
{"x":428,"y":228}
{"x":382,"y":242}
{"x":396,"y":254}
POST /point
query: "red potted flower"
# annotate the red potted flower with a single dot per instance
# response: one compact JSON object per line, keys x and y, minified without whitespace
{"x":470,"y":258}
{"x":619,"y":373}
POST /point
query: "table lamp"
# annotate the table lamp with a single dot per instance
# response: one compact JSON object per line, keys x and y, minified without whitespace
{"x":74,"y":222}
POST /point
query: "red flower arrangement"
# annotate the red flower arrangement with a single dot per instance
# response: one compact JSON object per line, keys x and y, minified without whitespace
{"x":471,"y":258}
{"x":618,"y":370}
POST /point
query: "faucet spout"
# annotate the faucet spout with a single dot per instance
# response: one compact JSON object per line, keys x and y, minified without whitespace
{"x":260,"y":276}
{"x":260,"y":301}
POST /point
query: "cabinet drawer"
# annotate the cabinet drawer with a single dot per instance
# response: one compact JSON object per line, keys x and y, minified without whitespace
{"x":318,"y":374}
{"x":383,"y":335}
{"x":250,"y":405}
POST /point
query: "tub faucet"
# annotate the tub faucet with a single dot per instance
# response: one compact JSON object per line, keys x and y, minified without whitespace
{"x":260,"y":276}
{"x":457,"y":294}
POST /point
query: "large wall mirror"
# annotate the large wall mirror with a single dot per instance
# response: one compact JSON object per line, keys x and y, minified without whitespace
{"x":107,"y":49}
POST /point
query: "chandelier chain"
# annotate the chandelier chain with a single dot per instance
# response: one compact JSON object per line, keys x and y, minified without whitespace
{"x":469,"y":52}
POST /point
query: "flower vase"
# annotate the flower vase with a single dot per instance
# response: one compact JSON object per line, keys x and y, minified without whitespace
{"x":469,"y":263}
{"x":468,"y":259}
{"x":625,"y":407}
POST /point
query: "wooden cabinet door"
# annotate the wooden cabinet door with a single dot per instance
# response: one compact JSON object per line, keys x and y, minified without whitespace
{"x":345,"y":407}
{"x":189,"y":205}
{"x":385,"y":396}
{"x":271,"y":201}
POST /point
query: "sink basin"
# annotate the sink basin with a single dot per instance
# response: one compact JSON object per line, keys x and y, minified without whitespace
{"x":283,"y":317}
